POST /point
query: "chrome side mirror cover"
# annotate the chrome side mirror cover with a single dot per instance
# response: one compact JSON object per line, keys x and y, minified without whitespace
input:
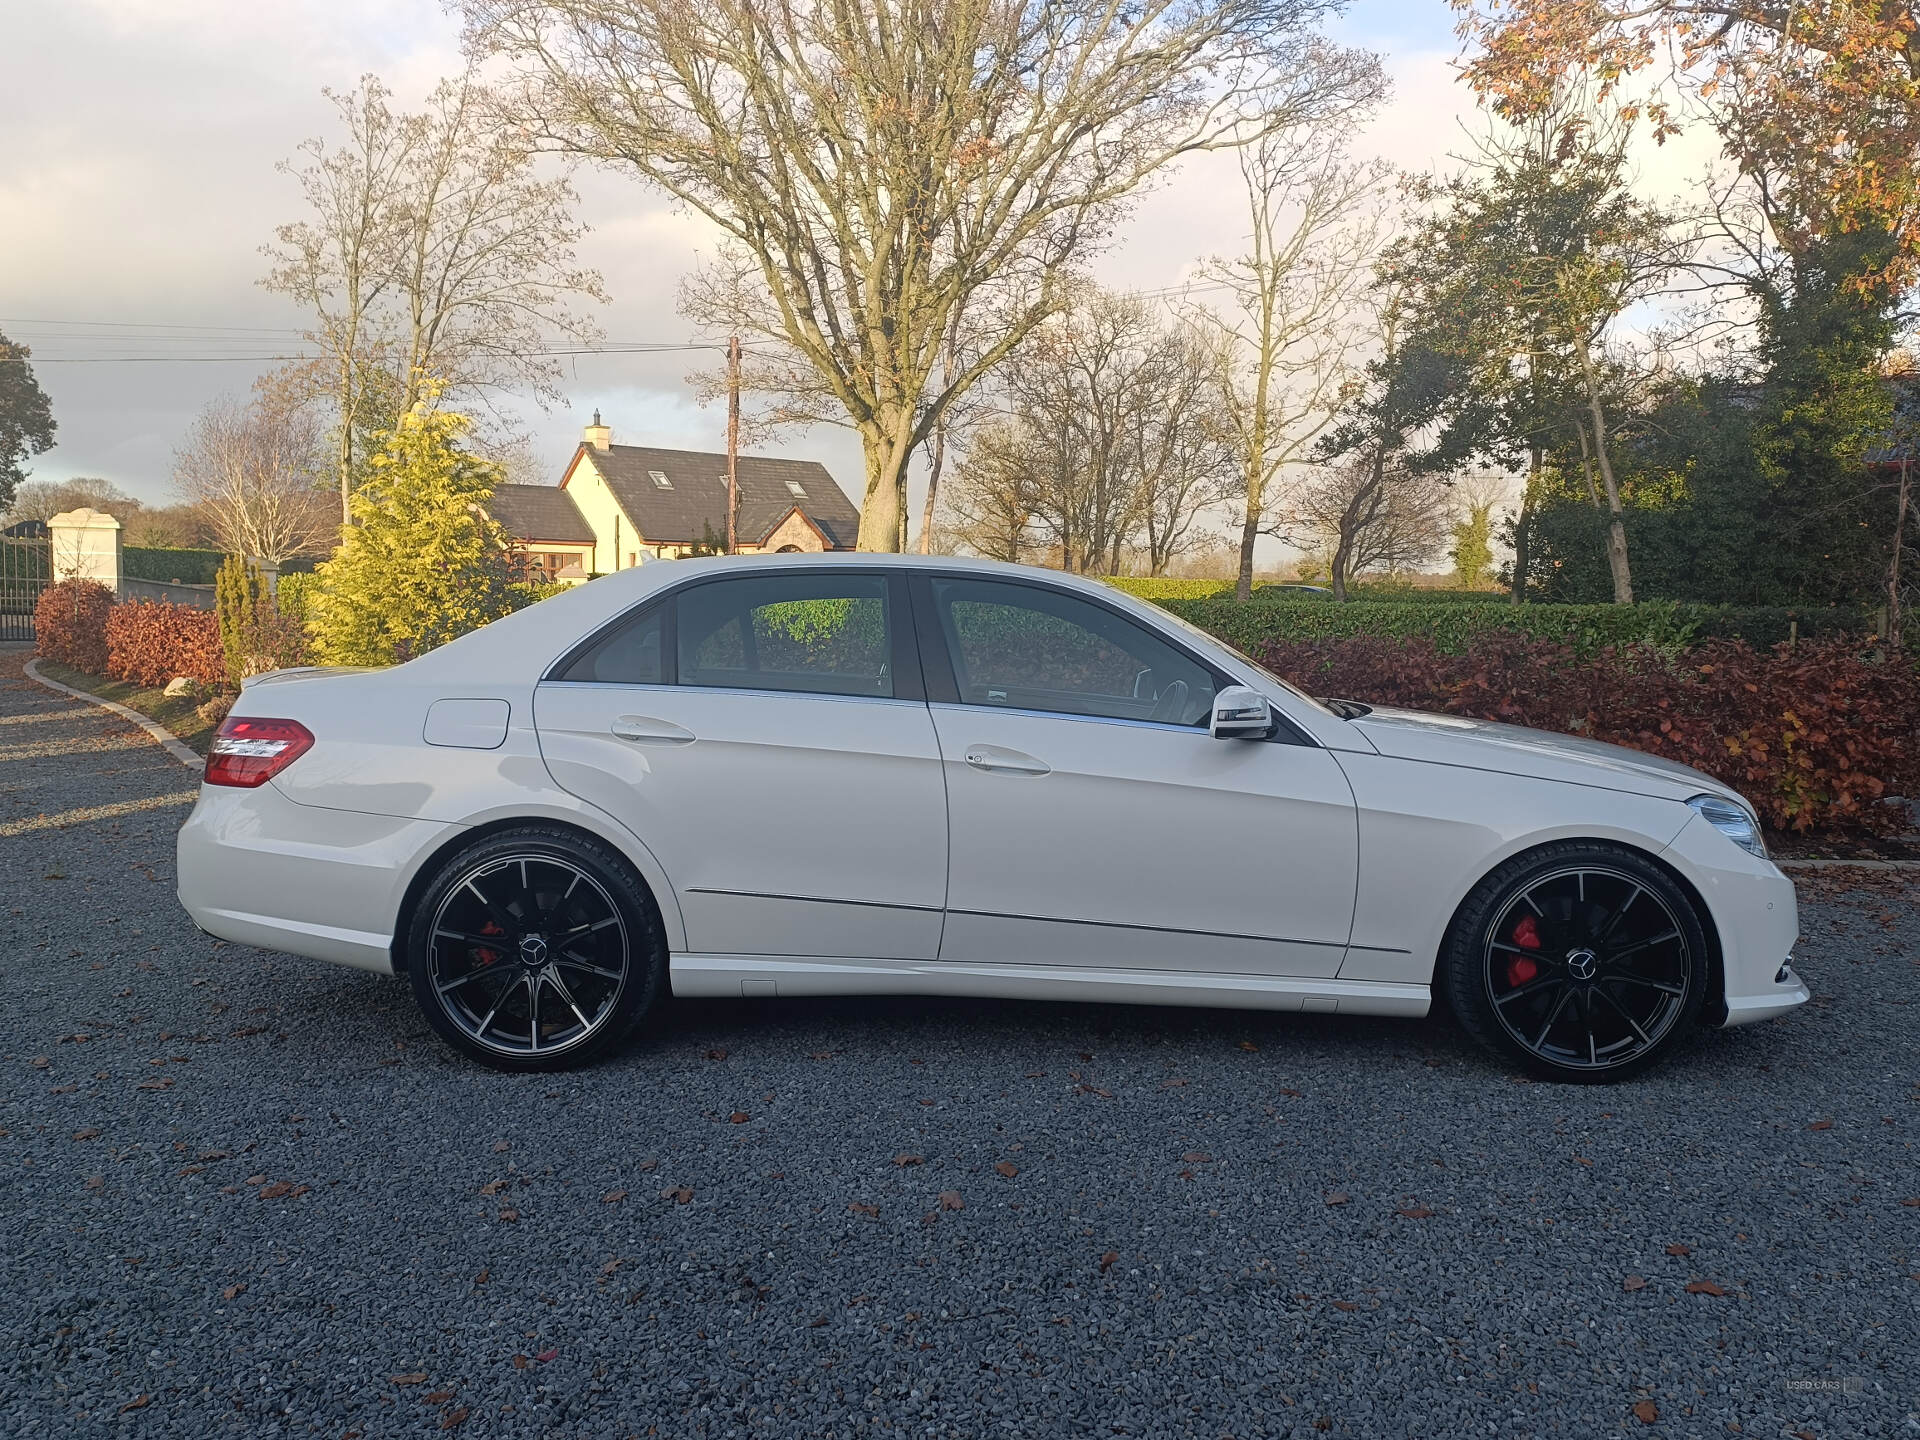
{"x":1239,"y":712}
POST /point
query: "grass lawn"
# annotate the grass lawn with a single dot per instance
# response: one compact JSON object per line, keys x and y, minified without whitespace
{"x":180,"y":715}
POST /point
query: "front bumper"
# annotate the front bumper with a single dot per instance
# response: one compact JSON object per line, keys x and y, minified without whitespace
{"x":1755,"y":914}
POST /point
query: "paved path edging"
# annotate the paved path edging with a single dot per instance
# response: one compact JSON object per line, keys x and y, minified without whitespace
{"x":159,"y":733}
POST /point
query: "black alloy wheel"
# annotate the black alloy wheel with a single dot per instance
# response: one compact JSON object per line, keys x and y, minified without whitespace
{"x":535,"y":949}
{"x":1582,"y":962}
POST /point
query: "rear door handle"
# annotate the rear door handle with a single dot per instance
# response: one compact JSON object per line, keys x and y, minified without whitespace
{"x":645,"y":730}
{"x":997,"y":761}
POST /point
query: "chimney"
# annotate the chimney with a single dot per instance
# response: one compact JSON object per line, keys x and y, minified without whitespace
{"x":599,"y":436}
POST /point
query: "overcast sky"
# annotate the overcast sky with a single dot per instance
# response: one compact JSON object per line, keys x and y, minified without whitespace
{"x":138,"y":140}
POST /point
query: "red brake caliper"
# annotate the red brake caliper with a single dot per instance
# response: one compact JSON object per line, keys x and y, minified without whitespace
{"x":1522,"y":968}
{"x":488,"y":957}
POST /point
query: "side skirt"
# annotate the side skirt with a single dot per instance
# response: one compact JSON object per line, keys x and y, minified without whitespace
{"x":732,"y":976}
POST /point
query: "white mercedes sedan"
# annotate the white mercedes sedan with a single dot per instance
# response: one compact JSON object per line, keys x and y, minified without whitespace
{"x":854,"y":774}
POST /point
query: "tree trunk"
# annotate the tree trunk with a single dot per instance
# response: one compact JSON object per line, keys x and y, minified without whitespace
{"x":1586,"y":465}
{"x":1250,"y":531}
{"x":1893,"y":571}
{"x":1616,"y":523}
{"x":883,"y":506}
{"x":345,"y":449}
{"x":1523,"y":523}
{"x":935,"y":462}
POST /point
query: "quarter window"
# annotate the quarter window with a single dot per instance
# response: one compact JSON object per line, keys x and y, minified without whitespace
{"x":1023,"y":647}
{"x":629,"y":655}
{"x":820,"y":634}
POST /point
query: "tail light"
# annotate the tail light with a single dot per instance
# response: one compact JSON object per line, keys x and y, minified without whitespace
{"x":249,"y":752}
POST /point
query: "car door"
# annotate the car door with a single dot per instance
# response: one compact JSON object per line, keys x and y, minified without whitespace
{"x":1092,"y":819}
{"x":767,"y":737}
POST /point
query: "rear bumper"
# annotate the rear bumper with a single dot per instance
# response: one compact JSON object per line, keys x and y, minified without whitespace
{"x":333,"y":879}
{"x":1756,"y":917}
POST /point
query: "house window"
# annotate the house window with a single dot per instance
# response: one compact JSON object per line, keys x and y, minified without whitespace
{"x":660,"y":480}
{"x":796,"y":489}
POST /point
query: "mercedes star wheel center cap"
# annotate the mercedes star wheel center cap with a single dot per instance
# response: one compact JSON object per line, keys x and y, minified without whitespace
{"x":1580,"y":963}
{"x":533,"y":950}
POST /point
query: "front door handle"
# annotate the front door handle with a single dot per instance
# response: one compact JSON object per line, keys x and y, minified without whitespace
{"x":995,"y":760}
{"x":645,"y":730}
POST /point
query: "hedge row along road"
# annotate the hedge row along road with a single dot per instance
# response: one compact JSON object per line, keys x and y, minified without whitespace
{"x":249,"y":1195}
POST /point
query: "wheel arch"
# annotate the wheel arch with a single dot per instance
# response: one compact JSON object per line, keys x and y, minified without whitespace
{"x":1715,"y":1011}
{"x":652,"y":880}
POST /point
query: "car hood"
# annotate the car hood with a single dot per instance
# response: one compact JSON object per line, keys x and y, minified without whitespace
{"x":1539,"y":754}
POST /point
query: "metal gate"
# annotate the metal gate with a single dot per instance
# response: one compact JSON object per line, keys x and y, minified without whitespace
{"x":24,"y":567}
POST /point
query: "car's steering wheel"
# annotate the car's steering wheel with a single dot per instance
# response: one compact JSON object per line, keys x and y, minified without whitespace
{"x":1170,"y":703}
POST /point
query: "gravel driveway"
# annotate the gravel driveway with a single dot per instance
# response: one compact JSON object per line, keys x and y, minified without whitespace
{"x":246,"y":1194}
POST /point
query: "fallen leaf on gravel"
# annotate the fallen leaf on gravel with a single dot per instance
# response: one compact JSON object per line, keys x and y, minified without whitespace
{"x":1248,"y":1045}
{"x":1293,"y":1094}
{"x":739,"y":1117}
{"x":437,"y":1397}
{"x":1108,"y":1260}
{"x":815,"y":1324}
{"x":613,"y":1197}
{"x":154,"y":1085}
{"x":419,"y":1377}
{"x":1581,"y":1160}
{"x":520,"y":1362}
{"x":1345,"y":1305}
{"x":716,"y":1054}
{"x":950,"y":1200}
{"x":276,"y":1191}
{"x":1197,"y":1157}
{"x":454,"y":1417}
{"x":611,"y":1266}
{"x":551,"y":1353}
{"x":233,"y":1292}
{"x":1036,"y":1075}
{"x":680,"y":1195}
{"x":1337,"y":1197}
{"x":1007,"y":1168}
{"x":1633,"y":1282}
{"x":649,"y":1166}
{"x":1703,"y":1287}
{"x":860,"y":1208}
{"x":215,"y":1155}
{"x":190,"y":1169}
{"x":1912,"y":1202}
{"x":1679,"y":1249}
{"x":483,"y":1277}
{"x":95,"y":1182}
{"x":298,"y":1191}
{"x":500,"y":1147}
{"x":493,"y":1187}
{"x":256,"y":1179}
{"x":1418,"y":1212}
{"x":905,"y":1160}
{"x":509,"y":1217}
{"x":1821,"y":1125}
{"x":1645,"y":1411}
{"x":139,"y":1402}
{"x":87,"y":1134}
{"x":41,"y":1062}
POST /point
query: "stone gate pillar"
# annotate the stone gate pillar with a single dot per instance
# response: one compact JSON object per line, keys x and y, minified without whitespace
{"x":85,"y":545}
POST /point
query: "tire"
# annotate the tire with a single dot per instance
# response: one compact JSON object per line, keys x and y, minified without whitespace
{"x":530,"y":1003}
{"x":1581,"y":962}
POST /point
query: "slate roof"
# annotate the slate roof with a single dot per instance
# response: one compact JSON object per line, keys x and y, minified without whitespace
{"x":698,"y":499}
{"x":540,"y":512}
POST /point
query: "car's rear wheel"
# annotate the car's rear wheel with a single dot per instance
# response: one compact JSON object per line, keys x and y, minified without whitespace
{"x":1581,"y":962}
{"x":535,"y":949}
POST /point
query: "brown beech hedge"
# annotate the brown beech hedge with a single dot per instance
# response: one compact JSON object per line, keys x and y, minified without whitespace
{"x":70,"y":624}
{"x":1817,"y":735}
{"x":149,"y":643}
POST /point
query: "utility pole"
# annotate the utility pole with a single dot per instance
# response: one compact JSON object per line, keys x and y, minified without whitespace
{"x":733,"y":445}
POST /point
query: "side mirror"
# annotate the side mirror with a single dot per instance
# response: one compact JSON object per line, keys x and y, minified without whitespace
{"x":1240,"y":712}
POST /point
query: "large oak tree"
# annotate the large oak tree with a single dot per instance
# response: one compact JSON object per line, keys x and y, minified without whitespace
{"x":879,"y":163}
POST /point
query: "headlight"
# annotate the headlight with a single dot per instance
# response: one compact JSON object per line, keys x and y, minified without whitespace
{"x":1731,"y":820}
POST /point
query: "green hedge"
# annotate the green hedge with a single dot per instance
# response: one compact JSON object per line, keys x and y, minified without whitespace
{"x":189,"y":567}
{"x":1451,"y":625}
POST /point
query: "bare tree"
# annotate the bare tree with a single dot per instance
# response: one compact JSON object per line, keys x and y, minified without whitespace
{"x":1283,"y":353}
{"x":877,"y":163}
{"x":250,"y":467}
{"x":1343,"y":509}
{"x":44,"y":499}
{"x":431,"y":247}
{"x":988,"y":506}
{"x":1184,"y":459}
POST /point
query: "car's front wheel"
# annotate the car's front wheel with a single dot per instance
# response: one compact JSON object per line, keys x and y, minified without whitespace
{"x":1581,"y":962}
{"x":535,"y":949}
